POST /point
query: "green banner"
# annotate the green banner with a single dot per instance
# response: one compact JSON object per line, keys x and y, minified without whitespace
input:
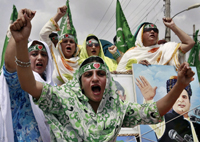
{"x":124,"y":37}
{"x":12,"y":19}
{"x":66,"y":24}
{"x":194,"y":57}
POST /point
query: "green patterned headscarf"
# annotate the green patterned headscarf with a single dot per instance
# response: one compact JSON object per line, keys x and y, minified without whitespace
{"x":72,"y":118}
{"x":91,"y":41}
{"x":150,"y":26}
{"x":92,"y":66}
{"x":37,"y":47}
{"x":67,"y":36}
{"x":110,"y":101}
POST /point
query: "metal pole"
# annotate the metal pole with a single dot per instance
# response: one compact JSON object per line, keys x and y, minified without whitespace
{"x":179,"y":12}
{"x":167,"y":14}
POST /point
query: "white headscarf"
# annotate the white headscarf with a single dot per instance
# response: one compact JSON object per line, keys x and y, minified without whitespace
{"x":64,"y":68}
{"x":6,"y":126}
{"x":164,"y":54}
{"x":49,"y":67}
{"x":6,"y":130}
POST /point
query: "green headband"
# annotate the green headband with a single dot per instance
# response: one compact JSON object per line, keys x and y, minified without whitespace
{"x":92,"y":66}
{"x":37,"y":47}
{"x":91,"y":41}
{"x":150,"y":26}
{"x":66,"y":36}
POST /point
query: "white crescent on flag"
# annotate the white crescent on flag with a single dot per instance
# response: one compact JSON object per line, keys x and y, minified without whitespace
{"x":119,"y":29}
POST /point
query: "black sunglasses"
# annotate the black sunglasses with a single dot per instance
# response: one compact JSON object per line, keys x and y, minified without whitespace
{"x":91,"y":44}
{"x":149,"y":29}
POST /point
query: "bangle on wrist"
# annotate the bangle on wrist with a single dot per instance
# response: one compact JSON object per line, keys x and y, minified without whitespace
{"x":22,"y":64}
{"x":116,"y":55}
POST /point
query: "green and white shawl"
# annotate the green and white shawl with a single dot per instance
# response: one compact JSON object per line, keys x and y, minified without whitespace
{"x":72,"y":118}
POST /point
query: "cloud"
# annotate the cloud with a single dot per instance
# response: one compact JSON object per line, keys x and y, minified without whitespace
{"x":160,"y":92}
{"x":87,"y":14}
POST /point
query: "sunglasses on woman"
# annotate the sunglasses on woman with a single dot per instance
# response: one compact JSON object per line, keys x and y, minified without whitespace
{"x":93,"y":44}
{"x":149,"y":29}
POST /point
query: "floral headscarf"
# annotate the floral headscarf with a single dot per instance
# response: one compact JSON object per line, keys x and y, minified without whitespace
{"x":73,"y":119}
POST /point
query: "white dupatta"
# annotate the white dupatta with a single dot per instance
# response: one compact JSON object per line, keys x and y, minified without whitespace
{"x":6,"y":130}
{"x":63,"y":68}
{"x":164,"y":54}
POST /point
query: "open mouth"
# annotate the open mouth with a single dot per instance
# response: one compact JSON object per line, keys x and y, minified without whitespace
{"x":152,"y":35}
{"x":69,"y":49}
{"x":39,"y":65}
{"x":96,"y":89}
{"x":93,"y":52}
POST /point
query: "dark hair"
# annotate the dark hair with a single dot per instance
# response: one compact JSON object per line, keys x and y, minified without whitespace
{"x":170,"y":84}
{"x":52,"y":35}
{"x":90,"y":60}
{"x":92,"y":37}
{"x":37,"y":42}
{"x":114,"y":40}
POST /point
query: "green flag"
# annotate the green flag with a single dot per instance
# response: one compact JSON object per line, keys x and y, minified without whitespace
{"x":194,"y":59}
{"x":66,"y":24}
{"x":124,"y":39}
{"x":12,"y":19}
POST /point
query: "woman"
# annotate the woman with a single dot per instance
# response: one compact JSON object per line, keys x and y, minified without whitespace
{"x":65,"y":58}
{"x":65,"y":55}
{"x":87,"y":108}
{"x":148,"y":51}
{"x":91,"y":110}
{"x":92,"y":47}
{"x":22,"y":119}
{"x":28,"y":121}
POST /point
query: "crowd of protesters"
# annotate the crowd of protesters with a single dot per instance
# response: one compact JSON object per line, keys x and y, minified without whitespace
{"x":53,"y":90}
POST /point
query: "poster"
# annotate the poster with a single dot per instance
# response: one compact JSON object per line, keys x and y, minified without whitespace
{"x":178,"y":128}
{"x":124,"y":83}
{"x":126,"y":139}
